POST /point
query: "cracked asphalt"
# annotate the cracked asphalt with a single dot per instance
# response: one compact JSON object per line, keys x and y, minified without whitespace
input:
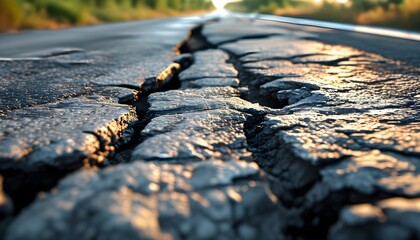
{"x":208,"y":128}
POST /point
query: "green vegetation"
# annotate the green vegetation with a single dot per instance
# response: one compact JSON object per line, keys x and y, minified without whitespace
{"x":260,"y":6}
{"x":389,"y":13}
{"x":19,"y":14}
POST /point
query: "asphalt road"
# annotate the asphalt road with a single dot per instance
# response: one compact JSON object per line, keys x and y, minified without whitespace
{"x":59,"y":87}
{"x":260,"y":131}
{"x":93,"y":38}
{"x":407,"y":51}
{"x":107,"y":37}
{"x":38,"y":67}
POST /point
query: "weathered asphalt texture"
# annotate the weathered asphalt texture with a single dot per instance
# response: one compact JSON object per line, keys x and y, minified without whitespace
{"x":256,"y":130}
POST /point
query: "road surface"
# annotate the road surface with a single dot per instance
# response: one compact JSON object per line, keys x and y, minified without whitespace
{"x":209,"y":128}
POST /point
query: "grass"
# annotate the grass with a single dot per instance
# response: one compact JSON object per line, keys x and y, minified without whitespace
{"x":10,"y":14}
{"x":51,"y":14}
{"x":404,"y":16}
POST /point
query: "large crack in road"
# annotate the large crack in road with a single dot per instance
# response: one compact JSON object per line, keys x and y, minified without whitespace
{"x":253,"y":132}
{"x":308,"y":153}
{"x":59,"y":110}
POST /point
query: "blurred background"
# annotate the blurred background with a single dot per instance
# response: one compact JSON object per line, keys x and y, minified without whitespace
{"x":389,"y":13}
{"x":30,"y":14}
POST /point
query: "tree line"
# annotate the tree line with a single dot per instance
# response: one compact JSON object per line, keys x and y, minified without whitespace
{"x":15,"y":14}
{"x":19,"y":14}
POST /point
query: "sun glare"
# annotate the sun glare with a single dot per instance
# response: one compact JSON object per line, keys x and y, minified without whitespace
{"x":220,"y":4}
{"x":337,"y":1}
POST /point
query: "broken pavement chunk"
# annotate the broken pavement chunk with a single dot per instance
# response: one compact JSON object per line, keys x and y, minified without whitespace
{"x":142,"y":200}
{"x":209,"y":64}
{"x":394,"y":218}
{"x":50,"y":135}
